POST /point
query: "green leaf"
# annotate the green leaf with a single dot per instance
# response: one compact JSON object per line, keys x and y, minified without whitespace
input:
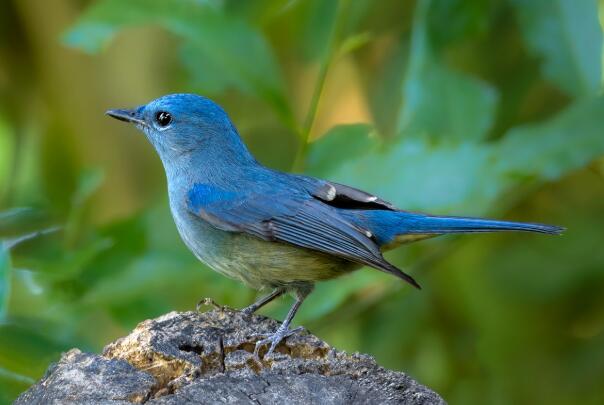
{"x":316,"y":23}
{"x":547,"y":151}
{"x":5,"y":279}
{"x":89,"y":182}
{"x":151,"y":272}
{"x":455,"y":20}
{"x":12,"y":214}
{"x":438,"y":101}
{"x":7,"y":152}
{"x":60,"y":264}
{"x":566,"y":35}
{"x":13,"y":242}
{"x":464,"y":177}
{"x":25,"y":351}
{"x":354,"y":42}
{"x":413,"y":173}
{"x":353,"y":141}
{"x":217,"y":45}
{"x":12,"y":384}
{"x":14,"y":220}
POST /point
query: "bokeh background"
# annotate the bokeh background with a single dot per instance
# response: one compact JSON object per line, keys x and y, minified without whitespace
{"x":465,"y":107}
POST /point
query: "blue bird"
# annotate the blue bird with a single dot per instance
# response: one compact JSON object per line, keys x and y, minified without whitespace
{"x":270,"y":229}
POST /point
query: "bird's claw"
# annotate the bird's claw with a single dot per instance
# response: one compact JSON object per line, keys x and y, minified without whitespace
{"x":274,"y":339}
{"x":207,"y":302}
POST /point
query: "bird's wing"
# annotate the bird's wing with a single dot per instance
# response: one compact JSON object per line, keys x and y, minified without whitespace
{"x":293,"y":218}
{"x":342,"y":196}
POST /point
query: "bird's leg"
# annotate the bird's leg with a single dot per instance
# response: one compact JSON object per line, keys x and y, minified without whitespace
{"x":277,"y":292}
{"x":283,"y":331}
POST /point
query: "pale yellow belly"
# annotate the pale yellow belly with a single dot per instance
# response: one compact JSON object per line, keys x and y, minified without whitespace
{"x":260,"y":264}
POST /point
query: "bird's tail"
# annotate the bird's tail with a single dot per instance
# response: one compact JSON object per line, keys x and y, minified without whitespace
{"x":392,"y":228}
{"x":426,"y":224}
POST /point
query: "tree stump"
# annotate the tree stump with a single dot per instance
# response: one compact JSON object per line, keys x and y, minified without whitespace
{"x":206,"y":358}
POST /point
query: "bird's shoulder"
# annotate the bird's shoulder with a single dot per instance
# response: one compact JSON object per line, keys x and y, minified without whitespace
{"x":275,"y":187}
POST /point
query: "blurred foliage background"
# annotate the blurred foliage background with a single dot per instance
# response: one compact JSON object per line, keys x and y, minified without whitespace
{"x":465,"y":107}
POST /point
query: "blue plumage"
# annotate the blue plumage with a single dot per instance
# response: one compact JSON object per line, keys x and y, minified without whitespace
{"x":387,"y":226}
{"x":268,"y":228}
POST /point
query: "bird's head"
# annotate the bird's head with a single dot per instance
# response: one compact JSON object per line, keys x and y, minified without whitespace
{"x":184,"y":125}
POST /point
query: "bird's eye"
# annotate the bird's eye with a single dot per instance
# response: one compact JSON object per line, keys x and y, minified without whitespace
{"x":163,"y":118}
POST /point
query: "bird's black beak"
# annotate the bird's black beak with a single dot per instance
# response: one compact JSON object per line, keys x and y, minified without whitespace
{"x":133,"y":115}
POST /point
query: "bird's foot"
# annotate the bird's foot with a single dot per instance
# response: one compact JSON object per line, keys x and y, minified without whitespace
{"x":207,"y":302}
{"x":274,"y":339}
